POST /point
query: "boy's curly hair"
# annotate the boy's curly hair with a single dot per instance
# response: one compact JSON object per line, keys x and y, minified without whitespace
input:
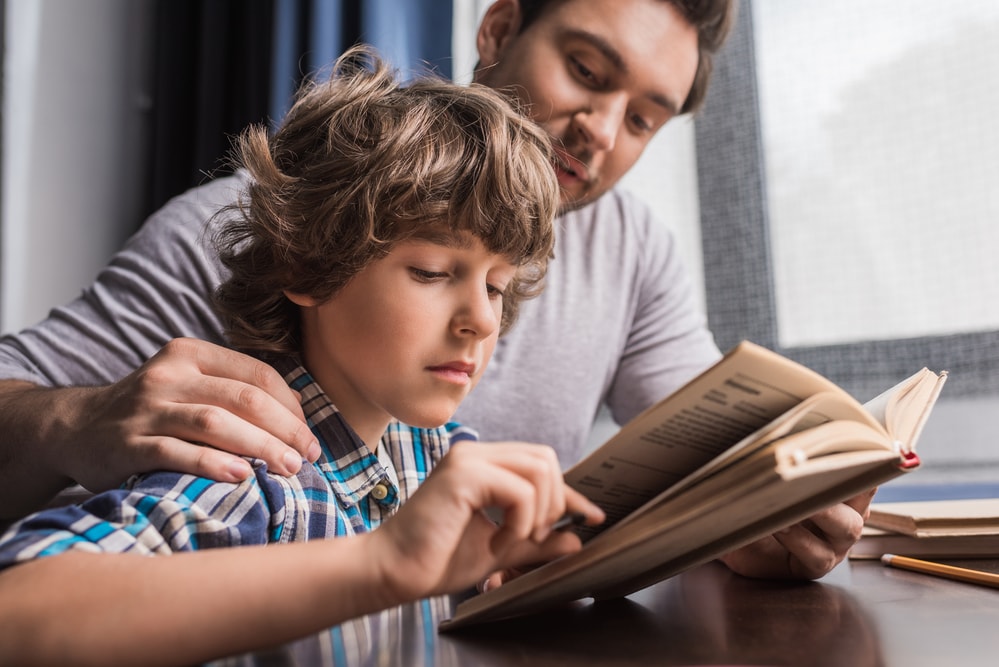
{"x":361,"y":162}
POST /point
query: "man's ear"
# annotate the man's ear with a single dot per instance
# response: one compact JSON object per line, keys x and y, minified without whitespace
{"x":302,"y":300}
{"x":499,"y":25}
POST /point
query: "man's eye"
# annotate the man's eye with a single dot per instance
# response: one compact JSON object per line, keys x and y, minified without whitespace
{"x":641,"y":124}
{"x":583,"y":71}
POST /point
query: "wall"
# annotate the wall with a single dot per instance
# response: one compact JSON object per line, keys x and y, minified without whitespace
{"x":74,"y":108}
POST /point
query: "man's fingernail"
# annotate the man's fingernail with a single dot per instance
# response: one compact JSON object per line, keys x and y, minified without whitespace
{"x":293,"y":462}
{"x":239,"y":469}
{"x":314,"y":451}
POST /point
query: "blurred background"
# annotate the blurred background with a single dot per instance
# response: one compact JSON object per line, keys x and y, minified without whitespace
{"x":836,"y":200}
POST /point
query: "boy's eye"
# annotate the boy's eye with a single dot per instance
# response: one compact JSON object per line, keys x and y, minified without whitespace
{"x":494,"y":291}
{"x":426,"y":276}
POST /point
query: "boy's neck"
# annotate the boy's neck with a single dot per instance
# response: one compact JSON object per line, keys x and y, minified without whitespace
{"x":371,"y":437}
{"x":368,"y":425}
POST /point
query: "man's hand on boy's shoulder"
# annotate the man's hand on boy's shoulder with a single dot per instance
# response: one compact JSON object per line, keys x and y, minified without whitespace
{"x":809,"y":549}
{"x":193,"y":393}
{"x":188,"y":395}
{"x":194,"y":407}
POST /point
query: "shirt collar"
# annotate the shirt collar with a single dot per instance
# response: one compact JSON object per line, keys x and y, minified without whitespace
{"x":351,"y":468}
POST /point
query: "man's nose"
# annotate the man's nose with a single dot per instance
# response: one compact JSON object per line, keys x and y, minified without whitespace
{"x":600,"y":122}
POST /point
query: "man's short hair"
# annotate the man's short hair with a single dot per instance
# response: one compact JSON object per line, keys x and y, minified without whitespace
{"x":363,"y":161}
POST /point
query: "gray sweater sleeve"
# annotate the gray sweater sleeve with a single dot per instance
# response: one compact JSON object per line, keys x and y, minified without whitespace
{"x":155,"y":289}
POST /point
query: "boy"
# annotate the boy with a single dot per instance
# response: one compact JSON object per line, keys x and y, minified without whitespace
{"x":380,"y":300}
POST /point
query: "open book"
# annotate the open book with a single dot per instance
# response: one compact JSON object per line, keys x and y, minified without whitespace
{"x":753,"y":444}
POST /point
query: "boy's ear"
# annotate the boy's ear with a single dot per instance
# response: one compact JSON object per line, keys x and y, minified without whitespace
{"x":303,"y":300}
{"x":499,"y":25}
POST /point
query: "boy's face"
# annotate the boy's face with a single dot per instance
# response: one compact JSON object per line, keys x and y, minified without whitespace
{"x":410,"y":335}
{"x":601,"y":76}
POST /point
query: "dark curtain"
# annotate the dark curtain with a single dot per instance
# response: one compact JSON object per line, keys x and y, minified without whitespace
{"x":220,"y":65}
{"x":211,"y":60}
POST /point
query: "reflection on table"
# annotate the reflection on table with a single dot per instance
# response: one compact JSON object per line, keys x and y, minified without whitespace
{"x":861,"y":614}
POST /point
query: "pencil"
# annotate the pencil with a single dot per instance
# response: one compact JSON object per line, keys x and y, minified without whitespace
{"x":941,"y":570}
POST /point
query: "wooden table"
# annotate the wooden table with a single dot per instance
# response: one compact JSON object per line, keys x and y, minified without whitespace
{"x":861,"y":614}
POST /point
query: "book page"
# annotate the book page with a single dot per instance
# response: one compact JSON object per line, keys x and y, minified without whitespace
{"x":904,"y":408}
{"x":747,"y":389}
{"x":826,"y":426}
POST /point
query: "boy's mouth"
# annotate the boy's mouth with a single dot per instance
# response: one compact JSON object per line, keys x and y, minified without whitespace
{"x":458,"y":372}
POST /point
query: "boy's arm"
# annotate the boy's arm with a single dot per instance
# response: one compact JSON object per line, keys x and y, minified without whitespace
{"x":225,"y":601}
{"x":189,"y":392}
{"x":86,"y":608}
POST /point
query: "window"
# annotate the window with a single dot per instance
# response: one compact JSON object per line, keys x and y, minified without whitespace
{"x":846,"y":162}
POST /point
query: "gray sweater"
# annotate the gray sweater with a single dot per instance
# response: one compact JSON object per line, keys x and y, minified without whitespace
{"x":616,"y":322}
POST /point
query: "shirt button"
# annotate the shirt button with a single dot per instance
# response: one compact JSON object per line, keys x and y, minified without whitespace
{"x":380,"y":492}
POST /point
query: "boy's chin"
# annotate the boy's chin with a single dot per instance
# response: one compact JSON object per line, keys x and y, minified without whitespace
{"x":428,"y":419}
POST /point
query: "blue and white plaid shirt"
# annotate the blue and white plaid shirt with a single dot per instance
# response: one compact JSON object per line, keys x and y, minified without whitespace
{"x":348,"y":490}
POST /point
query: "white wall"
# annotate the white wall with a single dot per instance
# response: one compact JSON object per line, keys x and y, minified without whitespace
{"x":74,"y":104}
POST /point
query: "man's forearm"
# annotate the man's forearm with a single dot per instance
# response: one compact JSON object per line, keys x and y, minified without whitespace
{"x":34,"y":427}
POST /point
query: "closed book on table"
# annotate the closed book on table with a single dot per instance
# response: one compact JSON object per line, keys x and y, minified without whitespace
{"x":875,"y":542}
{"x":926,"y":518}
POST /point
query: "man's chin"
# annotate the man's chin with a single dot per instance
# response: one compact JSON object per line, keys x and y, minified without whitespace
{"x":568,"y":204}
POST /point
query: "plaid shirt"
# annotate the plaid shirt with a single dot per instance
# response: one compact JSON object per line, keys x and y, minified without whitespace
{"x":348,"y":490}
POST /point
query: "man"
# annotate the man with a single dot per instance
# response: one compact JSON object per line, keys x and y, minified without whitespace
{"x":616,"y":323}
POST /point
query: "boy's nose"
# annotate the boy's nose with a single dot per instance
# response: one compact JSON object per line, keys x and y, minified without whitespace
{"x":478,"y":316}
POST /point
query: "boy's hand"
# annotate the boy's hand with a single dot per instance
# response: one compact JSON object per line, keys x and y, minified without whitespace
{"x":441,"y":540}
{"x":190,"y":394}
{"x":806,"y":550}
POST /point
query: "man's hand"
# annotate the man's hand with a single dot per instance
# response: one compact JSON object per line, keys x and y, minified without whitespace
{"x":441,"y":540}
{"x":190,"y":394}
{"x":807,"y":550}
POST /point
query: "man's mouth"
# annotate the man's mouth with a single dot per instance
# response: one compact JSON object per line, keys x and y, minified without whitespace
{"x":573,"y":169}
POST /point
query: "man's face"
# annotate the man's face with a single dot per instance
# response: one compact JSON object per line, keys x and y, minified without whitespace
{"x":601,"y":76}
{"x":408,"y":336}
